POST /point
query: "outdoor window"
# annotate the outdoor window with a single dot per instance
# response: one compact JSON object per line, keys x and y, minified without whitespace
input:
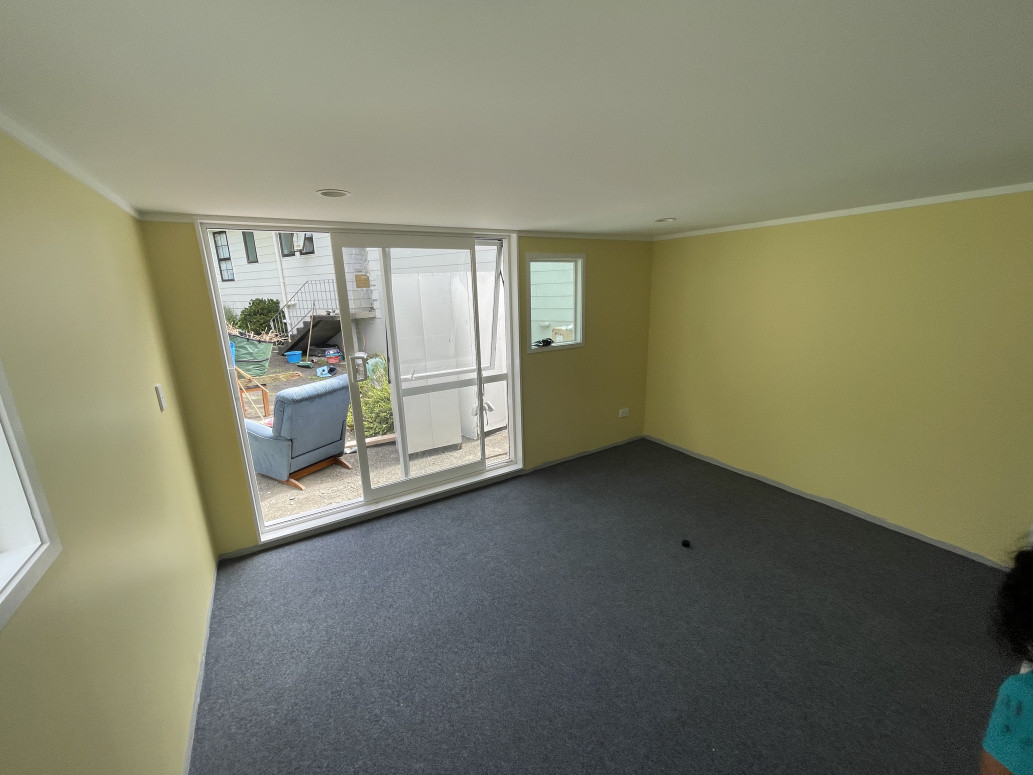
{"x":556,"y":293}
{"x":27,"y":541}
{"x":249,"y":247}
{"x":222,"y":253}
{"x":291,"y":245}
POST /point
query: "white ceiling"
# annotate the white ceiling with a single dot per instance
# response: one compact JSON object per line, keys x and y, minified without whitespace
{"x":570,"y":115}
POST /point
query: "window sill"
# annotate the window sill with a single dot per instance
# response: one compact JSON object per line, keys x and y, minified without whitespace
{"x":20,"y":569}
{"x":348,"y":514}
{"x":556,"y":346}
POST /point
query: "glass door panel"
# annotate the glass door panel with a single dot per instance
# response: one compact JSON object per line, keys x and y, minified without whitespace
{"x":420,"y":418}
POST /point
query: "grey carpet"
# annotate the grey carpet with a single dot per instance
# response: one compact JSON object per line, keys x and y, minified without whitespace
{"x":553,"y":623}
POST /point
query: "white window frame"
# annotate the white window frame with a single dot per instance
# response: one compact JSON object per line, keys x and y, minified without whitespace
{"x":22,"y":567}
{"x":345,"y":514}
{"x":579,"y":299}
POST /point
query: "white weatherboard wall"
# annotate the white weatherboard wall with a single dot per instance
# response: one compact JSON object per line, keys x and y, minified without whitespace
{"x":552,"y":297}
{"x":250,"y":281}
{"x":262,"y":280}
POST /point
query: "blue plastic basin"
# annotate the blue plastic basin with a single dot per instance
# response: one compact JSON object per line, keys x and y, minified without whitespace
{"x":293,"y":356}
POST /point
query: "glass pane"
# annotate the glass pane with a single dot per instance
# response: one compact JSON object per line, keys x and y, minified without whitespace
{"x":363,"y":269}
{"x":271,"y":366}
{"x":249,"y":247}
{"x":496,"y":422}
{"x":286,"y":243}
{"x":491,"y":298}
{"x":222,"y":248}
{"x":554,"y":302}
{"x":419,"y":404}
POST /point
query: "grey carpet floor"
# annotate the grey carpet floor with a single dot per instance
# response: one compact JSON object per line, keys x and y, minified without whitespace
{"x":553,"y":623}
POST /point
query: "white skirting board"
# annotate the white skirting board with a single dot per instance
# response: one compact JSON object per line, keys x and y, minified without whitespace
{"x":835,"y":504}
{"x":200,"y":676}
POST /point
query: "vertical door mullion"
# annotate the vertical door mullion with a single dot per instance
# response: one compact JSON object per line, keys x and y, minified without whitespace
{"x":496,"y":290}
{"x":401,"y":438}
{"x":348,"y":343}
{"x":477,"y":352}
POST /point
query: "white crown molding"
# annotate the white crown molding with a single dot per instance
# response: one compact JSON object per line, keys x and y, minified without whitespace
{"x":73,"y":168}
{"x":586,"y":235}
{"x":158,"y":215}
{"x":61,"y":160}
{"x":1018,"y":188}
{"x":155,"y":215}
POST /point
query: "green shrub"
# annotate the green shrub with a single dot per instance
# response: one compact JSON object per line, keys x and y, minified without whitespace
{"x":231,"y":317}
{"x":377,"y":417}
{"x":375,"y":393}
{"x":257,"y":315}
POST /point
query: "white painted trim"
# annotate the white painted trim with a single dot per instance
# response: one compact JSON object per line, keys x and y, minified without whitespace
{"x":586,"y":453}
{"x":62,"y":161}
{"x":316,"y":520}
{"x":215,"y":303}
{"x":624,"y":237}
{"x":231,"y":222}
{"x":512,"y":287}
{"x":1018,"y":188}
{"x":834,"y":504}
{"x":306,"y":526}
{"x":234,"y":221}
{"x":580,"y":288}
{"x":200,"y":673}
{"x":31,"y":563}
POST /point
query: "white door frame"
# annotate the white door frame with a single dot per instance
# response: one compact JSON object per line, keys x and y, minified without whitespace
{"x":331,"y":516}
{"x":340,"y":239}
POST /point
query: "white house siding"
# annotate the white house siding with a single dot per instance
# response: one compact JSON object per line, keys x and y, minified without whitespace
{"x":552,"y":297}
{"x":250,"y":281}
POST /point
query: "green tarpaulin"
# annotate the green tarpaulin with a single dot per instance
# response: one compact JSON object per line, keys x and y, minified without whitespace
{"x":252,"y":356}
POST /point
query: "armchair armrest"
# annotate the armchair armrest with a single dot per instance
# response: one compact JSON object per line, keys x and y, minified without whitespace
{"x":270,"y":453}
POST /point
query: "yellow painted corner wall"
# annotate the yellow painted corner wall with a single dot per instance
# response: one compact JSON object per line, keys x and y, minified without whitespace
{"x":181,"y":289}
{"x":883,"y":360}
{"x":99,"y":664}
{"x":570,"y":397}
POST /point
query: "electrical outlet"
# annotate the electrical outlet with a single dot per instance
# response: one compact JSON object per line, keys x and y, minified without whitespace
{"x":623,"y":412}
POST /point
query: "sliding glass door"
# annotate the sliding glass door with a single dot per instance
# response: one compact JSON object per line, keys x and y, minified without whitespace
{"x":413,"y":357}
{"x":362,"y":365}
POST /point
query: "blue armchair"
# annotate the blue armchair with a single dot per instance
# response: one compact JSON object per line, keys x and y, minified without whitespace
{"x":307,"y":434}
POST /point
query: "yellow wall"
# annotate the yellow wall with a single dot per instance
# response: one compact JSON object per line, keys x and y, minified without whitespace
{"x":884,"y":361}
{"x":177,"y":267}
{"x":99,"y":664}
{"x":571,"y":397}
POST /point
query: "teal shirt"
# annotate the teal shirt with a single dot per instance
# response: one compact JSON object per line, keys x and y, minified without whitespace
{"x":1009,"y":735}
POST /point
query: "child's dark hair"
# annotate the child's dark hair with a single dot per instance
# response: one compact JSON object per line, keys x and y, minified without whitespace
{"x":1014,"y":620}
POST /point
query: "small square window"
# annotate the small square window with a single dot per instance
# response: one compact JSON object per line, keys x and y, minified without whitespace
{"x":249,"y":247}
{"x":556,"y":294}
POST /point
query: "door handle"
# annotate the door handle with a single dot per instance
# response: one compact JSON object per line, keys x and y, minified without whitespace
{"x":358,"y":362}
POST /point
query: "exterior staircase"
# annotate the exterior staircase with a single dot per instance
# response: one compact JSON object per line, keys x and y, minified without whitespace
{"x":314,"y":305}
{"x":324,"y":328}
